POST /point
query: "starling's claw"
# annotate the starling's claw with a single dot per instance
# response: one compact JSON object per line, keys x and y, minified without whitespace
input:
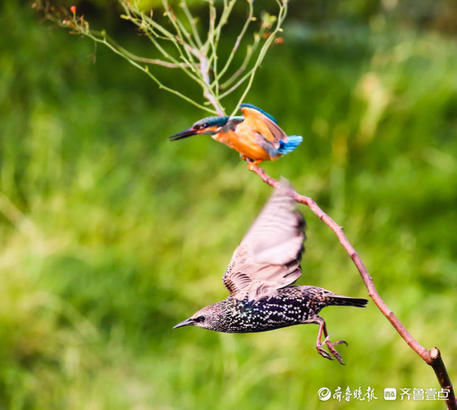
{"x":330,"y":346}
{"x":334,"y":352}
{"x":324,"y":353}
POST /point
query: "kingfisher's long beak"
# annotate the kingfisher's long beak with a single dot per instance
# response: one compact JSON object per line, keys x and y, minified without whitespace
{"x":187,"y":322}
{"x":183,"y":134}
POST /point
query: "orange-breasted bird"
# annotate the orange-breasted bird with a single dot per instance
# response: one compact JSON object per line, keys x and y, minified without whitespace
{"x":255,"y":135}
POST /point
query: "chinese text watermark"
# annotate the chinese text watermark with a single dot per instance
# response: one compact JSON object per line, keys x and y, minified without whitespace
{"x":390,"y":394}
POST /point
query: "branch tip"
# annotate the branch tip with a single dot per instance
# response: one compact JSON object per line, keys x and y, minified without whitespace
{"x":432,"y":356}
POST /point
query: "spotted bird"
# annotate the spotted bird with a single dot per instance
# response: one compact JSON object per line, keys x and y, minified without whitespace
{"x":256,"y":135}
{"x":260,"y":280}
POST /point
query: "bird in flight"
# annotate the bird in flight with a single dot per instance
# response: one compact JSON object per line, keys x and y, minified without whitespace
{"x":261,"y":277}
{"x":255,"y":135}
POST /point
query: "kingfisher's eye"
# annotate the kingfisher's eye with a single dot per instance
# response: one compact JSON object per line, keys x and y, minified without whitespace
{"x":199,"y":319}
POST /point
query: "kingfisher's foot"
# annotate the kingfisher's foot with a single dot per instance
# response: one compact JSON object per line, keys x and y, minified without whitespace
{"x":252,"y":164}
{"x":333,"y":352}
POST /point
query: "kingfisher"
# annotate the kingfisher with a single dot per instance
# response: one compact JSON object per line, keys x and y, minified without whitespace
{"x":256,"y":135}
{"x":260,"y":279}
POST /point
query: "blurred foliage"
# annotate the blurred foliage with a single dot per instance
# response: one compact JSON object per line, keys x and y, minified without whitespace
{"x":110,"y":234}
{"x":439,"y":15}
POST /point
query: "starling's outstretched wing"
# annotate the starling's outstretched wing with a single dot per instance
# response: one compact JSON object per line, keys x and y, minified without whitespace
{"x":268,"y":257}
{"x":264,"y":124}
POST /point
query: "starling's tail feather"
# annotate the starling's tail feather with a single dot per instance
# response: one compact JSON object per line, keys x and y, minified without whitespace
{"x":286,"y":147}
{"x":336,"y":300}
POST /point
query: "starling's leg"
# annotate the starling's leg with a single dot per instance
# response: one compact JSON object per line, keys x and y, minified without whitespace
{"x":330,"y":346}
{"x":319,"y":344}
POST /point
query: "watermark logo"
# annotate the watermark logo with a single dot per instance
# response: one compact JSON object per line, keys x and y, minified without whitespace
{"x":324,"y":393}
{"x":390,"y":393}
{"x":347,"y":394}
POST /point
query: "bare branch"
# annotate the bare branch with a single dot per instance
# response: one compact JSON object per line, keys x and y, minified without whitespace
{"x":148,"y":26}
{"x":146,"y":71}
{"x":179,"y":33}
{"x":431,"y":357}
{"x":212,"y":42}
{"x":250,"y":50}
{"x":134,"y":57}
{"x":238,"y":40}
{"x":281,"y":16}
{"x":186,"y":51}
{"x":193,"y":26}
{"x":207,"y":93}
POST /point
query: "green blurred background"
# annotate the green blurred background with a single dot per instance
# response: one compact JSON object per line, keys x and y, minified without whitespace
{"x":110,"y":234}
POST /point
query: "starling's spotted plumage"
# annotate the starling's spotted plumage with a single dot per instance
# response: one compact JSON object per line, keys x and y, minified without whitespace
{"x":260,"y":280}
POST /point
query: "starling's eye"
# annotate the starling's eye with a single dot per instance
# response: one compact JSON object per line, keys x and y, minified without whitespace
{"x":199,"y":319}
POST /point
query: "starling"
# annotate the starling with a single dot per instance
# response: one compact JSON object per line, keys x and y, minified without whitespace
{"x":260,"y":280}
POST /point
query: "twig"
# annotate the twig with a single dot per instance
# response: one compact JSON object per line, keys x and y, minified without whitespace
{"x":238,"y":39}
{"x":134,"y":57}
{"x":433,"y":356}
{"x":207,"y":93}
{"x":191,"y":20}
{"x":263,"y":51}
{"x":146,"y":71}
{"x":250,"y":51}
{"x":180,"y":45}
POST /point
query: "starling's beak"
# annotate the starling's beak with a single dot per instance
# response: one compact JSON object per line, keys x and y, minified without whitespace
{"x":183,"y":134}
{"x":187,"y":322}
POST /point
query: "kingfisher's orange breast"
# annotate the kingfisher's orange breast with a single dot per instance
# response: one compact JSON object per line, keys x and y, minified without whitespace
{"x":244,"y":142}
